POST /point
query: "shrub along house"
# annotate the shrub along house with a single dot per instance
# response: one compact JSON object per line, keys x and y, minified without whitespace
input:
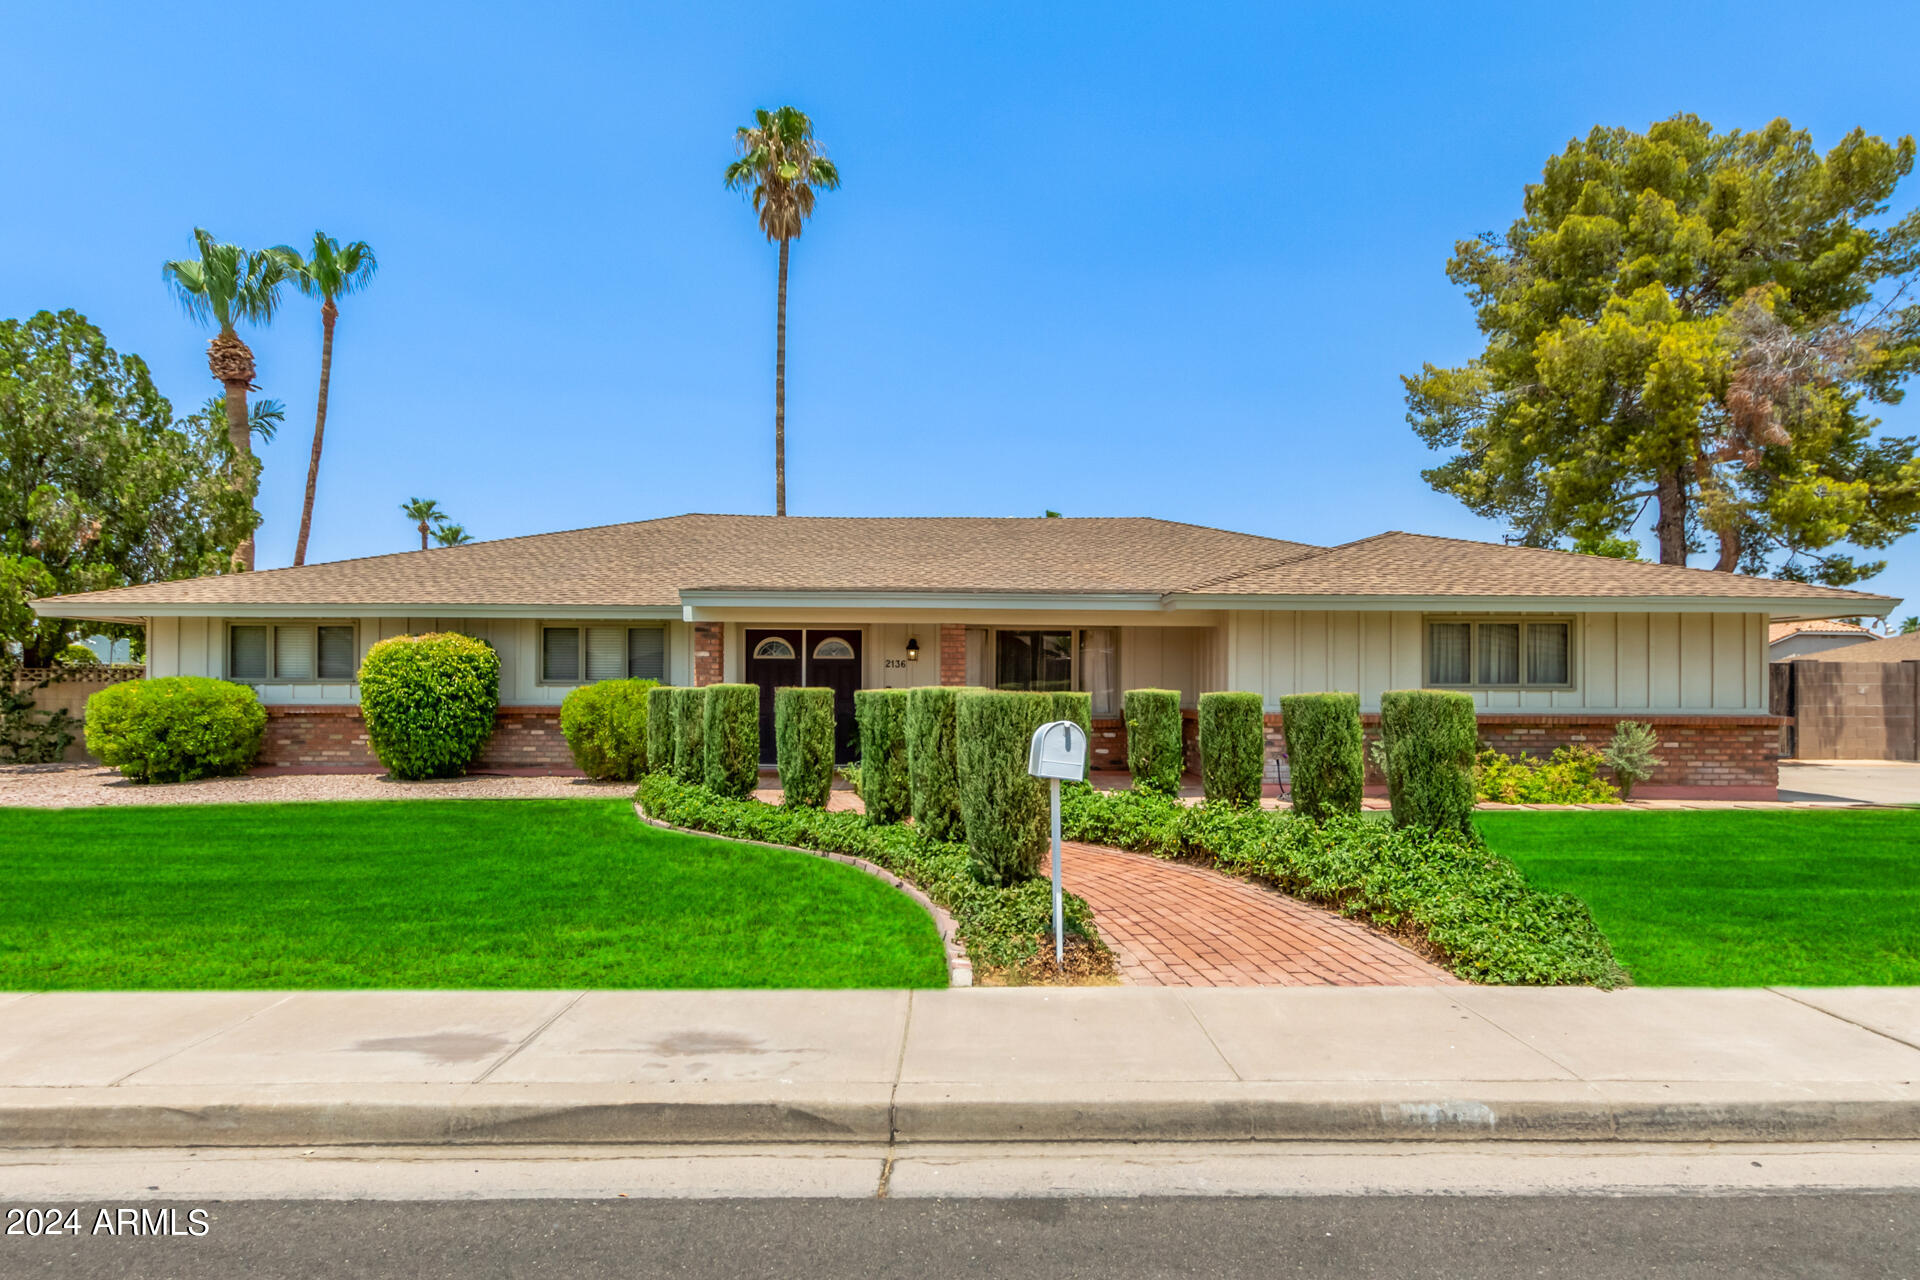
{"x":1555,"y":647}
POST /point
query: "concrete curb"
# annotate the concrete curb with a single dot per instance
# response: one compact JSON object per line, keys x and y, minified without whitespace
{"x":877,"y":1112}
{"x":959,"y":965}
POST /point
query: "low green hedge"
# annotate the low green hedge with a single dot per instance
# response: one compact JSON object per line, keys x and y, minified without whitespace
{"x":605,"y":725}
{"x":429,"y":702}
{"x":659,"y":728}
{"x":886,"y":789}
{"x":1001,"y":927}
{"x":730,"y":739}
{"x":1004,"y":807}
{"x":689,"y":734}
{"x":803,"y":744}
{"x":1326,"y":756}
{"x":1156,"y":753}
{"x":1077,"y":707}
{"x":1570,"y":776}
{"x":1442,"y":888}
{"x":1430,"y":737}
{"x":1233,"y":746}
{"x":175,"y":728}
{"x":932,"y":765}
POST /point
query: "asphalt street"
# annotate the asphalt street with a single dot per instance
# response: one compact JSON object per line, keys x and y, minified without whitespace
{"x":1787,"y":1235}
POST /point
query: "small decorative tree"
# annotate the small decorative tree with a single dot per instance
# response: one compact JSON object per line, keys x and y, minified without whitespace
{"x":1155,"y":753}
{"x":732,"y":739}
{"x":885,"y":786}
{"x":1630,"y":755}
{"x":803,"y":744}
{"x":1431,"y":737}
{"x":1324,"y":754}
{"x":1233,"y":747}
{"x":1003,"y":806}
{"x":932,"y":766}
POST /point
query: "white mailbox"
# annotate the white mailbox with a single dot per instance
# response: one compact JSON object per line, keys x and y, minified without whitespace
{"x":1059,"y":750}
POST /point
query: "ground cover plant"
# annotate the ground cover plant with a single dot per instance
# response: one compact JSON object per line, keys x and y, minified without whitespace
{"x":1443,"y":890}
{"x":1736,"y":897}
{"x":1001,"y":926}
{"x":434,"y":893}
{"x":429,"y":702}
{"x":175,"y":728}
{"x":1571,"y":775}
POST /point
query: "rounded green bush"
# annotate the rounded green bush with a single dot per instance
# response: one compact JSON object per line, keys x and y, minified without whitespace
{"x":659,"y":728}
{"x":429,"y":702}
{"x":886,"y":788}
{"x":731,"y":736}
{"x":1156,"y":753}
{"x":803,"y":744}
{"x":175,"y":728}
{"x":1233,"y":747}
{"x":1003,"y":806}
{"x":606,"y":728}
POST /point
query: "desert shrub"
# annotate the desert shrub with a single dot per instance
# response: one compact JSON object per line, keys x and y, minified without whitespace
{"x":1077,"y":707}
{"x":1156,"y":754}
{"x":175,"y":728}
{"x":1003,"y":807}
{"x":1430,"y":737}
{"x":803,"y":744}
{"x":730,"y":739}
{"x":1328,"y":771}
{"x":1440,"y":888}
{"x":689,"y":734}
{"x":1001,"y":927}
{"x":1570,"y":776}
{"x":606,"y":728}
{"x":659,"y":728}
{"x":1233,"y":746}
{"x":1630,"y":755}
{"x":429,"y":702}
{"x":886,"y":789}
{"x":932,"y":764}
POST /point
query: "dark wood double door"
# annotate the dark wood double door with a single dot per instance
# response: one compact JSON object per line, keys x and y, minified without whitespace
{"x":818,"y":658}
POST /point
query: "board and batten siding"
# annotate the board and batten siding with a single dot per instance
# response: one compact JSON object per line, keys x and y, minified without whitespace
{"x":197,"y":647}
{"x":1646,"y":662}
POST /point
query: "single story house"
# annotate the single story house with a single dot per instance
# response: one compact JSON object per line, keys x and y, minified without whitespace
{"x":1554,"y":647}
{"x":1790,"y":640}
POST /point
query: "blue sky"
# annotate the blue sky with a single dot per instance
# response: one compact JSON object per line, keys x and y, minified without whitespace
{"x":1106,"y":259}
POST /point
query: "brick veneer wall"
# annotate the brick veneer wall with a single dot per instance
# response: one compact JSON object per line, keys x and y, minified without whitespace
{"x":709,"y":653}
{"x":953,"y":654}
{"x":335,"y":738}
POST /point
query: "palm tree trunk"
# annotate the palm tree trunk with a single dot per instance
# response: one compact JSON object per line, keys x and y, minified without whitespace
{"x":423,"y":535}
{"x":780,"y":396}
{"x":240,"y":436}
{"x":328,"y":314}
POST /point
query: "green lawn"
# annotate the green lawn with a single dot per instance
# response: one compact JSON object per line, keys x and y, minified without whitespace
{"x":433,"y":893}
{"x":1735,"y":898}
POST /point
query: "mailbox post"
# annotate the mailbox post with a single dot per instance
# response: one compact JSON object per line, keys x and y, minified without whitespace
{"x":1058,"y":750}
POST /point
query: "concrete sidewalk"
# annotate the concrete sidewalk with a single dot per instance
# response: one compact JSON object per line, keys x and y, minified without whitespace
{"x":1067,"y":1065}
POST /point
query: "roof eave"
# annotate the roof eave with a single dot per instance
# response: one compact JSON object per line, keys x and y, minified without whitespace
{"x":1778,"y":608}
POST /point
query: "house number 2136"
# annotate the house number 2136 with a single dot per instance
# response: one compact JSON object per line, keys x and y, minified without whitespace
{"x":900,"y":663}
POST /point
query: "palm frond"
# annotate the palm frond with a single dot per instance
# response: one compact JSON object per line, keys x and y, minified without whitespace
{"x":779,"y":165}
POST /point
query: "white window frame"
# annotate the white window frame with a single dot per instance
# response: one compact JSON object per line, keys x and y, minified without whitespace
{"x":1474,"y":684}
{"x":313,"y":635}
{"x":626,"y":643}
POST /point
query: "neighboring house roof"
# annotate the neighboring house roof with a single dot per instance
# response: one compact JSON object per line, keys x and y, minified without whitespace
{"x":662,"y":564}
{"x":1818,"y":627}
{"x":1892,"y":649}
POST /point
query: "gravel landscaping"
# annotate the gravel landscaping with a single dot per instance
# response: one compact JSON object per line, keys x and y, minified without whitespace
{"x":65,"y":786}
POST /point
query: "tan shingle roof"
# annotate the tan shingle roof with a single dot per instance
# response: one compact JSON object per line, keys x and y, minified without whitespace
{"x":1412,"y":564}
{"x":648,"y":564}
{"x":1815,"y":626}
{"x":1892,"y":649}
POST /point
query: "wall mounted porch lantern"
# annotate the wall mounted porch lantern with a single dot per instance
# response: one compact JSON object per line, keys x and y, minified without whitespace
{"x":913,"y":649}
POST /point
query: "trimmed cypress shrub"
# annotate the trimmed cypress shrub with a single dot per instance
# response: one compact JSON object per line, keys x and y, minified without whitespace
{"x":606,"y":728}
{"x":932,"y":768}
{"x":803,"y":744}
{"x":885,"y":787}
{"x":1430,"y":738}
{"x":1077,"y":707}
{"x":1324,"y":753}
{"x":730,"y":737}
{"x":689,"y":735}
{"x":429,"y":702}
{"x":175,"y":728}
{"x":660,"y":729}
{"x":1233,"y":747}
{"x":1156,"y":756}
{"x":1003,"y":806}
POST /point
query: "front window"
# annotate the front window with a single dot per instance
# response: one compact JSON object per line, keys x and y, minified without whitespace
{"x":587,"y":655}
{"x":1034,"y":661}
{"x":1500,"y":653}
{"x":259,"y":653}
{"x":1100,"y":668}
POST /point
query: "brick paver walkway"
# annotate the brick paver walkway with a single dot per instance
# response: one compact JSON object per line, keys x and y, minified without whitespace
{"x":1173,"y":925}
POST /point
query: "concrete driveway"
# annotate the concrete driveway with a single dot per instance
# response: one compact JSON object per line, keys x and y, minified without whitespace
{"x":1862,"y":781}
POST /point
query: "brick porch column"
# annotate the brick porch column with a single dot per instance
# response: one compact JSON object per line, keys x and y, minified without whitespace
{"x":709,"y":653}
{"x":953,"y":654}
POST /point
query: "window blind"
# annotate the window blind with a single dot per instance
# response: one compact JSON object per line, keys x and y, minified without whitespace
{"x":336,"y":653}
{"x":247,"y":653}
{"x":560,"y":654}
{"x":647,"y":653}
{"x":604,"y":659}
{"x":292,"y":653}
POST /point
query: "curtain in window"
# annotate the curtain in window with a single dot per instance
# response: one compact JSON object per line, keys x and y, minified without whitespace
{"x":647,"y":653}
{"x":560,"y":654}
{"x":1499,"y":653}
{"x":292,"y":653}
{"x":606,"y":653}
{"x":247,"y":653}
{"x":1448,"y":659}
{"x":1100,"y":668}
{"x":1547,"y":653}
{"x":336,"y":653}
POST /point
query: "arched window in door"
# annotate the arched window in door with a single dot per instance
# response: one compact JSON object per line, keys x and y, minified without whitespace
{"x":773,"y":647}
{"x":832,"y":647}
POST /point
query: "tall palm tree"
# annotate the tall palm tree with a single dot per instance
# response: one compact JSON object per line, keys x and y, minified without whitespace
{"x":780,"y":164}
{"x":228,"y":285}
{"x":427,"y":512}
{"x":452,"y":535}
{"x":330,"y":272}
